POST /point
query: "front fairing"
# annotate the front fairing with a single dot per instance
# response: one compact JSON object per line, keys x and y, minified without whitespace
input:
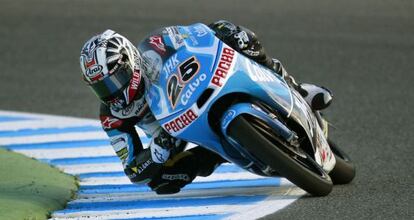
{"x":169,"y":94}
{"x":183,"y":118}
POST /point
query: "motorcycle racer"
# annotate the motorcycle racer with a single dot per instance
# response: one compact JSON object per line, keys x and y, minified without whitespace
{"x":118,"y":73}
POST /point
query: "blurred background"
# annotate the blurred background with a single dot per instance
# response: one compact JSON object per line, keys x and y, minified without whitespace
{"x":362,"y":50}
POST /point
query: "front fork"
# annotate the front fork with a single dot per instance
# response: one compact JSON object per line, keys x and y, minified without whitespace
{"x":322,"y":122}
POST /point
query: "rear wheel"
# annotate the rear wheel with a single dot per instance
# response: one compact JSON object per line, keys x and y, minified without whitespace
{"x":344,"y":170}
{"x":293,"y":163}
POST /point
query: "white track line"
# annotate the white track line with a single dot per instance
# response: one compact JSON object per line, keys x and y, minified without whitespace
{"x":130,"y":196}
{"x":47,"y":138}
{"x":155,"y":213}
{"x":89,"y":168}
{"x":97,"y":151}
{"x":211,"y":178}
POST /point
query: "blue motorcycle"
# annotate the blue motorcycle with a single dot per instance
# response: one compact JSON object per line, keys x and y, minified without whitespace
{"x":204,"y":92}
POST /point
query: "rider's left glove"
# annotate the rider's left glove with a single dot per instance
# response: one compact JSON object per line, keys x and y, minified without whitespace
{"x":143,"y":168}
{"x":175,"y":174}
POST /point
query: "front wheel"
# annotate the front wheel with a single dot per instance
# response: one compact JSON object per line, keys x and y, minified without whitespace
{"x":344,"y":170}
{"x":299,"y":168}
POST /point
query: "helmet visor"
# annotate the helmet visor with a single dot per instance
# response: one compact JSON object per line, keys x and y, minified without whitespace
{"x":109,"y":87}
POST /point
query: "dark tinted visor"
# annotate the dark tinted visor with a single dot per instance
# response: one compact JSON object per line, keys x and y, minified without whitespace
{"x":110,"y":86}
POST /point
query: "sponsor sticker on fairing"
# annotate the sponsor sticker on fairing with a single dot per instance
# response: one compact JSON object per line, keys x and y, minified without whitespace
{"x":200,"y":30}
{"x":181,"y":122}
{"x":192,"y":87}
{"x":259,"y":74}
{"x":224,"y":66}
{"x":187,"y":70}
{"x":156,"y":42}
{"x":171,"y":64}
{"x":176,"y":38}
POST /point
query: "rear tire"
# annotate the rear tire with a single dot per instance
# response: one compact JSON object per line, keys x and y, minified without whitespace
{"x":344,"y":170}
{"x":259,"y":140}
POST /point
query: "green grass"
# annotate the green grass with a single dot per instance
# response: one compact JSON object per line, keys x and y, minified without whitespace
{"x":30,"y":189}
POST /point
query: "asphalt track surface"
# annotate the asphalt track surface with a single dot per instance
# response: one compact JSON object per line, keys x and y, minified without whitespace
{"x":362,"y":50}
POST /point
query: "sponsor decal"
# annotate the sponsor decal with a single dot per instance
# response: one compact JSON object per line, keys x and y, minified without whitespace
{"x":108,"y":122}
{"x":189,"y":35}
{"x":171,"y":64}
{"x":223,"y":66}
{"x":227,"y":118}
{"x":156,"y":41}
{"x":323,"y":155}
{"x":120,"y":145}
{"x":94,"y":71}
{"x":259,"y":74}
{"x":135,"y":109}
{"x":188,"y":69}
{"x":136,"y":79}
{"x":251,"y":53}
{"x":116,"y":103}
{"x":191,"y":88}
{"x":127,"y":110}
{"x":122,"y":154}
{"x":200,"y":31}
{"x":133,"y":86}
{"x":159,"y":156}
{"x":144,"y":166}
{"x":175,"y":36}
{"x":158,"y":153}
{"x":175,"y":84}
{"x":179,"y":176}
{"x":174,"y":89}
{"x":242,"y":39}
{"x":181,"y":122}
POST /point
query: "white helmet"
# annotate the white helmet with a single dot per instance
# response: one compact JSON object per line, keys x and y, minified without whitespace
{"x":111,"y":67}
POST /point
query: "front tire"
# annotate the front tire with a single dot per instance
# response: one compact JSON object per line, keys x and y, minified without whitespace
{"x":304,"y":172}
{"x":344,"y":170}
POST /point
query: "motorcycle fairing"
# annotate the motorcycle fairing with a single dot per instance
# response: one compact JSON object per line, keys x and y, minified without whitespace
{"x":225,"y":71}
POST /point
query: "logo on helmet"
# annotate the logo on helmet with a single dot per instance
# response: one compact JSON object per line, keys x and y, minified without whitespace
{"x":94,"y":70}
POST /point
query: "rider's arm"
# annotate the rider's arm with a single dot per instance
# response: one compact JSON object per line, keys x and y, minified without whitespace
{"x":137,"y":161}
{"x":246,"y":42}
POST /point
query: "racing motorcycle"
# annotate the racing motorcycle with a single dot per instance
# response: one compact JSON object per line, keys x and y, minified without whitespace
{"x":206,"y":93}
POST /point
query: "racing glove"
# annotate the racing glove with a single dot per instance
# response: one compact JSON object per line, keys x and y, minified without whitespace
{"x":175,"y":174}
{"x":149,"y":161}
{"x":182,"y":168}
{"x":143,"y":168}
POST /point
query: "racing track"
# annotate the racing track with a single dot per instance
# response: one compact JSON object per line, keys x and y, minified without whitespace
{"x":80,"y":147}
{"x":362,"y":50}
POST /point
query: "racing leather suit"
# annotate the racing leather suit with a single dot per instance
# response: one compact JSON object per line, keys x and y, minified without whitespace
{"x":165,"y":166}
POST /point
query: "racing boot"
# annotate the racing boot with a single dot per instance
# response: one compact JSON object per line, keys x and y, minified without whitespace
{"x":317,"y":97}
